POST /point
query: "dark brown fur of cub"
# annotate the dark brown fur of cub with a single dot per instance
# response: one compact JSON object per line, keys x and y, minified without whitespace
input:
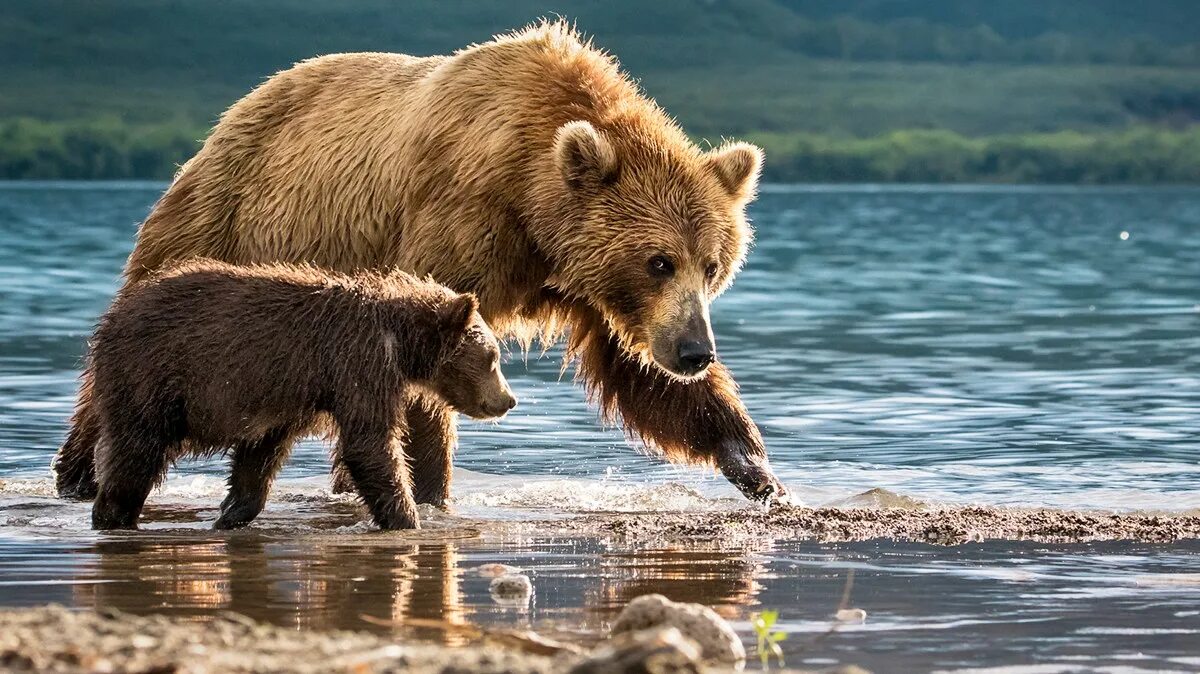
{"x":210,"y":358}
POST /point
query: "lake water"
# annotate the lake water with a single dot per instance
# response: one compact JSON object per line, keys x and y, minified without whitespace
{"x":1005,"y":346}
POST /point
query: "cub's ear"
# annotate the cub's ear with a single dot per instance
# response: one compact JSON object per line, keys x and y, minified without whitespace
{"x":584,"y":156}
{"x":736,"y":166}
{"x":455,"y":316}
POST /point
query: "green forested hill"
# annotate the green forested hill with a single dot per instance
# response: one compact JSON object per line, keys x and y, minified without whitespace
{"x":1169,"y":21}
{"x":101,"y":87}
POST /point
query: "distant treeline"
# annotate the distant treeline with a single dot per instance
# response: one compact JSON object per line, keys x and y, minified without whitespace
{"x":916,"y":39}
{"x":1141,"y":155}
{"x":837,"y":68}
{"x":109,"y":150}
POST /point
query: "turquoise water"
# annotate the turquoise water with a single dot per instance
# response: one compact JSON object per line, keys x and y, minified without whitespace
{"x":1005,"y":346}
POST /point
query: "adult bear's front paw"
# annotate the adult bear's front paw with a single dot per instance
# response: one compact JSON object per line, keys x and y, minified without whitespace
{"x":753,"y":477}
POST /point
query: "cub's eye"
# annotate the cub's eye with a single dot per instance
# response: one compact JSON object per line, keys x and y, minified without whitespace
{"x":661,"y":266}
{"x":710,"y":272}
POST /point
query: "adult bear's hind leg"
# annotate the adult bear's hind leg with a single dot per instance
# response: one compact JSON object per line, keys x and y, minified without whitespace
{"x":430,"y":449}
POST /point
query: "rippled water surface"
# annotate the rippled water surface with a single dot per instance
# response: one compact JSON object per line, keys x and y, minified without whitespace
{"x":1003,"y":346}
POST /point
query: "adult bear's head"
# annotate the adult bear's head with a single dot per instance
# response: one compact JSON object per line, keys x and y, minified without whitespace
{"x":654,"y":230}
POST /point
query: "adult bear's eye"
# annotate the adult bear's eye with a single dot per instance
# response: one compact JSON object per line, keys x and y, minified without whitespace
{"x":661,"y":266}
{"x":710,"y":272}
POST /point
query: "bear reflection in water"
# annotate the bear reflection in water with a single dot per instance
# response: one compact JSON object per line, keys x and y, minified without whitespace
{"x":331,"y":581}
{"x":331,"y":586}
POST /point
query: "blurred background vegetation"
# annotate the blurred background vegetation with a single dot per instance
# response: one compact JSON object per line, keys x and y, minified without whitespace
{"x":1080,"y":91}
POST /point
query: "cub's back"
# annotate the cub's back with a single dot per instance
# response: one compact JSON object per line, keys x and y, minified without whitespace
{"x":205,"y":326}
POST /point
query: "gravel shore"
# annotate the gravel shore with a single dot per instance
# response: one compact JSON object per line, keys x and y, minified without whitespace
{"x":945,"y":526}
{"x":54,"y":639}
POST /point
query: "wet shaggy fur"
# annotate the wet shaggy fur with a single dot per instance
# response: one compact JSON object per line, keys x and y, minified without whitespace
{"x":528,"y":170}
{"x":210,"y":358}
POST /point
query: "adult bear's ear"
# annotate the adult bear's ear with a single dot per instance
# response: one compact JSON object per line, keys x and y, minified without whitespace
{"x":737,"y":165}
{"x":583,"y":155}
{"x":455,"y":316}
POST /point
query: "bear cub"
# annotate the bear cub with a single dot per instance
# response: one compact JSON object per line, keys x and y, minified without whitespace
{"x":207,"y":358}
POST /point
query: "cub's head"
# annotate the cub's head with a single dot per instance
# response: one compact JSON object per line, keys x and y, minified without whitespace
{"x":657,"y":230}
{"x":468,"y":377}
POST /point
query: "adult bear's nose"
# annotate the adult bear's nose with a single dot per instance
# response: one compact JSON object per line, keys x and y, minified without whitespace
{"x":695,"y":355}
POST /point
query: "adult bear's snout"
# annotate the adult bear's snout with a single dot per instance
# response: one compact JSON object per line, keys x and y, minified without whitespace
{"x":694,"y":355}
{"x":685,"y":346}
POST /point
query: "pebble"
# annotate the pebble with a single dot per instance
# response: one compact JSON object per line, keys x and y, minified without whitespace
{"x":716,"y":639}
{"x":511,"y":589}
{"x":851,"y":615}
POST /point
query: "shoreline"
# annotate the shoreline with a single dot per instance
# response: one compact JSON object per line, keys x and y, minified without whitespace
{"x":873,"y":515}
{"x":59,"y":640}
{"x":950,"y":525}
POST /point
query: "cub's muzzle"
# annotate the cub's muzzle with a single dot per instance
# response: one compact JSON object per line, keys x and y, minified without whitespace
{"x":500,"y":407}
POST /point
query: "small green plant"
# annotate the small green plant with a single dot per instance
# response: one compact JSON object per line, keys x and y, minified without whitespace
{"x":768,"y":640}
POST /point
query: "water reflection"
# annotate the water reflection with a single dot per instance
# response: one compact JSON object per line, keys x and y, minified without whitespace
{"x":330,"y":586}
{"x":727,"y":580}
{"x":324,"y":582}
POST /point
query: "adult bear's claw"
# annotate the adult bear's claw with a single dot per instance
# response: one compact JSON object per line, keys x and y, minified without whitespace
{"x":753,"y":477}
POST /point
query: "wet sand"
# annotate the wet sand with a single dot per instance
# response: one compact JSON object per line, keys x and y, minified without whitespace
{"x":945,"y":526}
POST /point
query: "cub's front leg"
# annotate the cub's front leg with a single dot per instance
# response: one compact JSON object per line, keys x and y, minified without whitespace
{"x":429,"y":445}
{"x":372,"y":455}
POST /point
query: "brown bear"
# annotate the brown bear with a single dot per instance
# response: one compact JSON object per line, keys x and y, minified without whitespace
{"x":528,"y":170}
{"x":208,"y":357}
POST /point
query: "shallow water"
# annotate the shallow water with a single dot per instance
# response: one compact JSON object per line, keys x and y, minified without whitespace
{"x":1007,"y":346}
